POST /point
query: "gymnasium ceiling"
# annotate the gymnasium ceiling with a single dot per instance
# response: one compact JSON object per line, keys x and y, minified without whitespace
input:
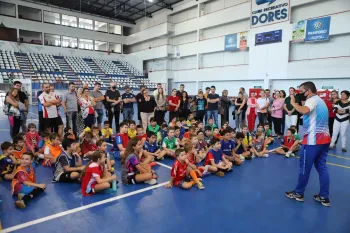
{"x":124,"y":10}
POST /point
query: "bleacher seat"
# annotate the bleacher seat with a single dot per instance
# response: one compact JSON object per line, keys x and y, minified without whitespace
{"x":79,"y":65}
{"x":43,"y":63}
{"x":108,"y":67}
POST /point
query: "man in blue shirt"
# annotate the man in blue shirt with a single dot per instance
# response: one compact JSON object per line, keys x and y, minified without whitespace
{"x":128,"y":103}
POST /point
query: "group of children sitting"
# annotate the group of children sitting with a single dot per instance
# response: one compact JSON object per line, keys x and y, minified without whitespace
{"x":198,"y":151}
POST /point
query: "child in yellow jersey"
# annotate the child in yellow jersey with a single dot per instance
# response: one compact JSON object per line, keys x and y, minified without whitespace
{"x":248,"y":139}
{"x":107,"y":132}
{"x":132,"y":131}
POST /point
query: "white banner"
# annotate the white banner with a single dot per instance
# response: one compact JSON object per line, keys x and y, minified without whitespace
{"x":266,"y":12}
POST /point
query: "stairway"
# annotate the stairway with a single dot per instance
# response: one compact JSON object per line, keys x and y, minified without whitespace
{"x":25,"y":65}
{"x":98,"y":71}
{"x":66,"y":69}
{"x":122,"y":68}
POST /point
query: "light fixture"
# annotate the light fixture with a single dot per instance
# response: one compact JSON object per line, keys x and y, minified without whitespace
{"x":150,"y":0}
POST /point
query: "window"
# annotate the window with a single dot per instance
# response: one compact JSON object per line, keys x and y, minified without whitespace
{"x":7,"y":9}
{"x":115,"y":48}
{"x":70,"y":21}
{"x":52,"y":40}
{"x":51,"y":17}
{"x":115,"y":29}
{"x":101,"y":45}
{"x":86,"y":24}
{"x":101,"y":26}
{"x":29,"y":13}
{"x":86,"y":44}
{"x":69,"y":42}
{"x":30,"y":37}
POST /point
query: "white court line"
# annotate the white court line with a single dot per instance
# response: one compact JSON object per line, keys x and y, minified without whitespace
{"x":50,"y":217}
{"x":5,"y":130}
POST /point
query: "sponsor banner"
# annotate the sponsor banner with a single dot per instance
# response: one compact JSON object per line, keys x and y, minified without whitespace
{"x":317,"y":29}
{"x":299,"y":30}
{"x":243,"y":40}
{"x":231,"y":42}
{"x":266,"y":12}
{"x":268,"y":37}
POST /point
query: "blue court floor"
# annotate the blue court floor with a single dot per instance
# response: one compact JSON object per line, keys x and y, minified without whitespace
{"x":250,"y":199}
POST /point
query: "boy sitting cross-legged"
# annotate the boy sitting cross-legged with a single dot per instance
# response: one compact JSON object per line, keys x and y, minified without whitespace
{"x":289,"y":144}
{"x":151,"y":147}
{"x":228,"y":148}
{"x":259,"y":146}
{"x":170,"y":143}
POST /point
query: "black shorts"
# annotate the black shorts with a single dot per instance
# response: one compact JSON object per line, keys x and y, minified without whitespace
{"x":131,"y":178}
{"x":2,"y":176}
{"x":65,"y":178}
{"x":53,"y":122}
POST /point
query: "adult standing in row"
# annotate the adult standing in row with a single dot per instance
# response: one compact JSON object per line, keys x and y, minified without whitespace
{"x":240,"y":110}
{"x":291,"y":115}
{"x":269,"y":108}
{"x":70,"y":107}
{"x":139,"y":98}
{"x":113,"y":99}
{"x":147,"y":107}
{"x":342,"y":117}
{"x":160,"y":99}
{"x":156,"y":91}
{"x":174,"y":105}
{"x":315,"y":144}
{"x":87,"y":104}
{"x":184,"y":105}
{"x":262,"y":107}
{"x":14,"y":115}
{"x":40,"y":109}
{"x":225,"y":104}
{"x":98,"y":99}
{"x":213,"y":105}
{"x":128,"y":103}
{"x":201,"y":103}
{"x":277,"y":114}
{"x":330,"y":105}
{"x":23,"y":98}
{"x":283,"y":96}
{"x":50,"y":101}
{"x":180,"y":91}
{"x":246,"y":97}
{"x":251,"y":111}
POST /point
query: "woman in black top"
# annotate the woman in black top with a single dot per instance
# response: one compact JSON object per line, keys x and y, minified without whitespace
{"x":225,"y":103}
{"x":184,"y":110}
{"x":147,"y":106}
{"x":241,"y":107}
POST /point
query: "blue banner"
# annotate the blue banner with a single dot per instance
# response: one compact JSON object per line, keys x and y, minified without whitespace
{"x":317,"y":29}
{"x":231,"y":42}
{"x":268,"y":37}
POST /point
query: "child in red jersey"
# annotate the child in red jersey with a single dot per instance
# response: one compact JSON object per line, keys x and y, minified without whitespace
{"x":216,"y":133}
{"x":289,"y":146}
{"x":96,"y":178}
{"x":24,"y":181}
{"x":182,"y":172}
{"x":141,"y":132}
{"x":216,"y":159}
{"x":102,"y":147}
{"x":32,"y":138}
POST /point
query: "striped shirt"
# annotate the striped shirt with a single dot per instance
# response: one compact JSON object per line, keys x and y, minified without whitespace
{"x":342,"y":106}
{"x":315,"y":123}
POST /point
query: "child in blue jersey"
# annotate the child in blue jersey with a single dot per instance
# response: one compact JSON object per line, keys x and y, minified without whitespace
{"x":163,"y":132}
{"x":241,"y":149}
{"x":228,"y":146}
{"x":217,"y":160}
{"x":151,"y":147}
{"x":182,"y":129}
{"x":120,"y":141}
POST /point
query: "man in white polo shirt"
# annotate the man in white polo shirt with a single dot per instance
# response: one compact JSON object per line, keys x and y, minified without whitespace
{"x":50,"y":100}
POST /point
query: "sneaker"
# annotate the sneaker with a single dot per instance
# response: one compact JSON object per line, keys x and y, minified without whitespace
{"x":331,"y":147}
{"x":206,"y":174}
{"x":241,"y":157}
{"x":253,"y":155}
{"x":294,"y":195}
{"x":220,"y":174}
{"x":20,"y":196}
{"x":200,"y":185}
{"x":20,"y":204}
{"x":151,"y":181}
{"x":287,"y":155}
{"x":265,"y":155}
{"x":322,"y":200}
{"x":343,"y":149}
{"x":292,"y":154}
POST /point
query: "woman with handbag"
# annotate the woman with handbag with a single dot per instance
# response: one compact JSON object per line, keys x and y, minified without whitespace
{"x":262,"y":106}
{"x":87,"y":108}
{"x":161,"y":106}
{"x":225,"y":103}
{"x":11,"y":109}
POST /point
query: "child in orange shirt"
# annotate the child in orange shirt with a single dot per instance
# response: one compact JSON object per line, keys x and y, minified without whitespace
{"x":24,"y":181}
{"x":18,"y":147}
{"x":52,"y":150}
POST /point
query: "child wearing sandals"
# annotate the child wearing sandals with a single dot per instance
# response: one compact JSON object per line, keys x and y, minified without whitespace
{"x":95,"y":177}
{"x":182,"y":172}
{"x":133,"y":171}
{"x":259,"y":146}
{"x":24,"y":181}
{"x":216,"y":159}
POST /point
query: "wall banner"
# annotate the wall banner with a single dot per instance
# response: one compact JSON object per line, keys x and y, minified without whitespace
{"x":266,"y":12}
{"x":317,"y":29}
{"x":231,"y":42}
{"x":299,"y":30}
{"x":243,"y":40}
{"x":268,"y":37}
